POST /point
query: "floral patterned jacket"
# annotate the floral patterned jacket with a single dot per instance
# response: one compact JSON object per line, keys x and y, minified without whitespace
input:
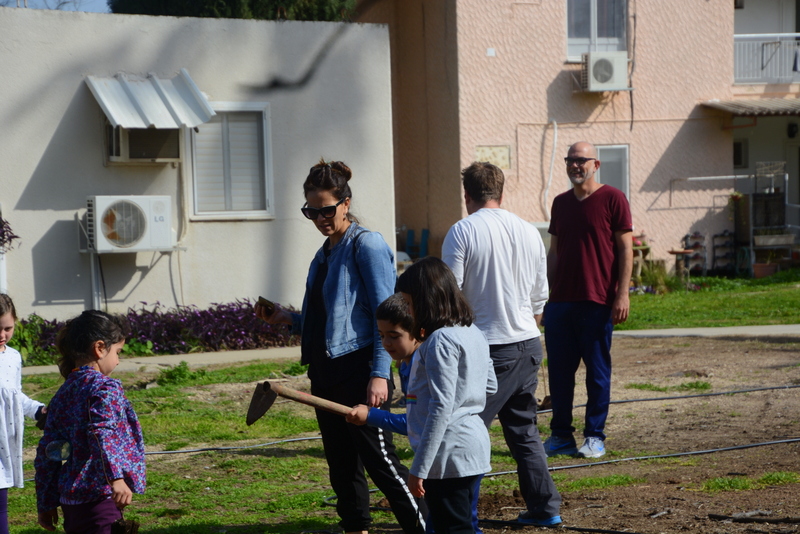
{"x":91,"y":413}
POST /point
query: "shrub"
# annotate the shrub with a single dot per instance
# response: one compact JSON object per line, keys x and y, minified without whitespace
{"x":35,"y":339}
{"x":158,"y":329}
{"x":656,"y":278}
{"x":179,"y":374}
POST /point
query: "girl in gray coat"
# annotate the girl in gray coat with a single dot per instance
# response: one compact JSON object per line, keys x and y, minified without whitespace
{"x":450,"y":378}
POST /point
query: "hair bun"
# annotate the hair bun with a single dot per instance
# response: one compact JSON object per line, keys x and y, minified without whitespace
{"x":342,"y":169}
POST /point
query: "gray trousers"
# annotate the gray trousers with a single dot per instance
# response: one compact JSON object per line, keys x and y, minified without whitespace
{"x":517,"y":368}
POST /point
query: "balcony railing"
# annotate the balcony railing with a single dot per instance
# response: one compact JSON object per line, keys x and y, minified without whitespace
{"x":767,"y":58}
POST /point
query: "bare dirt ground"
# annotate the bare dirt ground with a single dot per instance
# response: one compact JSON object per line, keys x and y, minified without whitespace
{"x":668,"y":494}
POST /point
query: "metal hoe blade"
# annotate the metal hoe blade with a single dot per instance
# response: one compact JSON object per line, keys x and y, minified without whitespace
{"x":262,"y":400}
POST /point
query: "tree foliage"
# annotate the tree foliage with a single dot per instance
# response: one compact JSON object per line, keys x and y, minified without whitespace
{"x":330,"y":10}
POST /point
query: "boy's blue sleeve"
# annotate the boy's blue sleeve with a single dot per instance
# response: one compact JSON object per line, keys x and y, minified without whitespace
{"x":393,"y":422}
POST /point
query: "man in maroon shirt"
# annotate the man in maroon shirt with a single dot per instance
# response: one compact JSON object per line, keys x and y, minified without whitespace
{"x":589,"y":268}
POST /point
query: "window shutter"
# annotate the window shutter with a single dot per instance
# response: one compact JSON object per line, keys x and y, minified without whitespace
{"x":229,"y":163}
{"x":209,"y":167}
{"x":246,"y":163}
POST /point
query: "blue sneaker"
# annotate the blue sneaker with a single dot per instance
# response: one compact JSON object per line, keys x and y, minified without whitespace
{"x":592,"y":448}
{"x":554,"y":446}
{"x":525,"y":518}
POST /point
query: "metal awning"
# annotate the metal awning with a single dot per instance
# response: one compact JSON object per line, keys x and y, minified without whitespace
{"x":756,"y":107}
{"x":153,"y":102}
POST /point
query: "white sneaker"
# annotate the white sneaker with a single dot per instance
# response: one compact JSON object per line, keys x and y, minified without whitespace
{"x":592,"y":448}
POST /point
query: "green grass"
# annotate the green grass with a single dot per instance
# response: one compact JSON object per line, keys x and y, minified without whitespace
{"x":778,"y":478}
{"x":281,"y":487}
{"x":741,"y":483}
{"x":720,"y":302}
{"x":687,"y":386}
{"x":728,"y":484}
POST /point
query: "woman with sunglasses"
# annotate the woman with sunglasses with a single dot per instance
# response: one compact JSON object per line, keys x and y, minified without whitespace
{"x":349,"y":277}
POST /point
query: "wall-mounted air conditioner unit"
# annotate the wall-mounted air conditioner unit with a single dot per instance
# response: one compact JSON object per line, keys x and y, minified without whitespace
{"x":129,"y":223}
{"x":132,"y":146}
{"x":605,"y":71}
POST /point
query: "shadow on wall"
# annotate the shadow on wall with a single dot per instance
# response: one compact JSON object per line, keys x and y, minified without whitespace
{"x":567,"y":104}
{"x":697,"y":148}
{"x":70,"y":162}
{"x":65,"y":176}
{"x":69,"y":282}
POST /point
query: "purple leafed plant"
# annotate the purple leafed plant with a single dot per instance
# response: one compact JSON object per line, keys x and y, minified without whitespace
{"x":231,"y":326}
{"x":157,"y":329}
{"x":7,"y":236}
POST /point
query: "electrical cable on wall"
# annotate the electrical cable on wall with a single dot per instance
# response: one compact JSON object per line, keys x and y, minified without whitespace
{"x":545,"y":207}
{"x":633,"y":57}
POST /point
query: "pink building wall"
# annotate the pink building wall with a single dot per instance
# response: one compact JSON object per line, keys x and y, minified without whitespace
{"x":683,"y":55}
{"x":469,"y":75}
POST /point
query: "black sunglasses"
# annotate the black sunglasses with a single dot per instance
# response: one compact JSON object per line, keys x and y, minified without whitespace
{"x":580,"y":161}
{"x":327,"y":212}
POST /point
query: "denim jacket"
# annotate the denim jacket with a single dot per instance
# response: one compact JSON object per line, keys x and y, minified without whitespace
{"x":361,"y":275}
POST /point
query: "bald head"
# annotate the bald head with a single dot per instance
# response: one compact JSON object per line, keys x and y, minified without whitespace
{"x":582,"y":164}
{"x":582,"y":149}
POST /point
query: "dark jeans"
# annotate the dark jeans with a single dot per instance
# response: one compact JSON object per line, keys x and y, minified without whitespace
{"x":4,"y":511}
{"x":576,"y":331}
{"x":91,"y":517}
{"x":450,"y":503}
{"x":516,"y":366}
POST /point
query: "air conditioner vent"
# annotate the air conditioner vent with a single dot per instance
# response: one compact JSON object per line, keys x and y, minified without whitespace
{"x":129,"y":223}
{"x":604,"y":71}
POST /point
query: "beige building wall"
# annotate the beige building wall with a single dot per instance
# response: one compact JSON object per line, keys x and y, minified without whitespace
{"x":425,"y":77}
{"x":51,"y":151}
{"x":517,"y":90}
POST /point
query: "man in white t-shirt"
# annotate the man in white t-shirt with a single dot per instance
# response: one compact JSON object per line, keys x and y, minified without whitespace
{"x":500,"y":263}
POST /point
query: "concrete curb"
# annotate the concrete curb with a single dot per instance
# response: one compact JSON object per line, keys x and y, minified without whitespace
{"x":152,"y":363}
{"x":785,"y":330}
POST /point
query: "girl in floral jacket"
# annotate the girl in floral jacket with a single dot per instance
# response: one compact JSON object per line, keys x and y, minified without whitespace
{"x":92,"y":426}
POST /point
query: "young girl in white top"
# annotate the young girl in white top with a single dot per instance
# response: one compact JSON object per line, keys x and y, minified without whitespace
{"x":14,"y":406}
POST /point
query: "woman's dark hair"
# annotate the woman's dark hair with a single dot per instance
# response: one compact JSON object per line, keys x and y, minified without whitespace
{"x":395,"y":310}
{"x":330,"y":176}
{"x":7,"y":306}
{"x":76,"y":339}
{"x":436,"y":298}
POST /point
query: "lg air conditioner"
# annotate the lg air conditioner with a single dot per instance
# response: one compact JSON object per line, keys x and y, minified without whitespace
{"x":604,"y":71}
{"x":129,"y":223}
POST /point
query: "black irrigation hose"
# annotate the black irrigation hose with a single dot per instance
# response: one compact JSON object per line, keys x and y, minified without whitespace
{"x":656,"y":456}
{"x":561,"y":526}
{"x":185,"y":451}
{"x":499,"y":522}
{"x":328,"y":500}
{"x":206,"y":449}
{"x":624,"y":401}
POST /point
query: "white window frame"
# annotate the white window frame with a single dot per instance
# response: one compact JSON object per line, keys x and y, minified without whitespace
{"x":594,"y":43}
{"x":269,"y":194}
{"x":624,"y":183}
